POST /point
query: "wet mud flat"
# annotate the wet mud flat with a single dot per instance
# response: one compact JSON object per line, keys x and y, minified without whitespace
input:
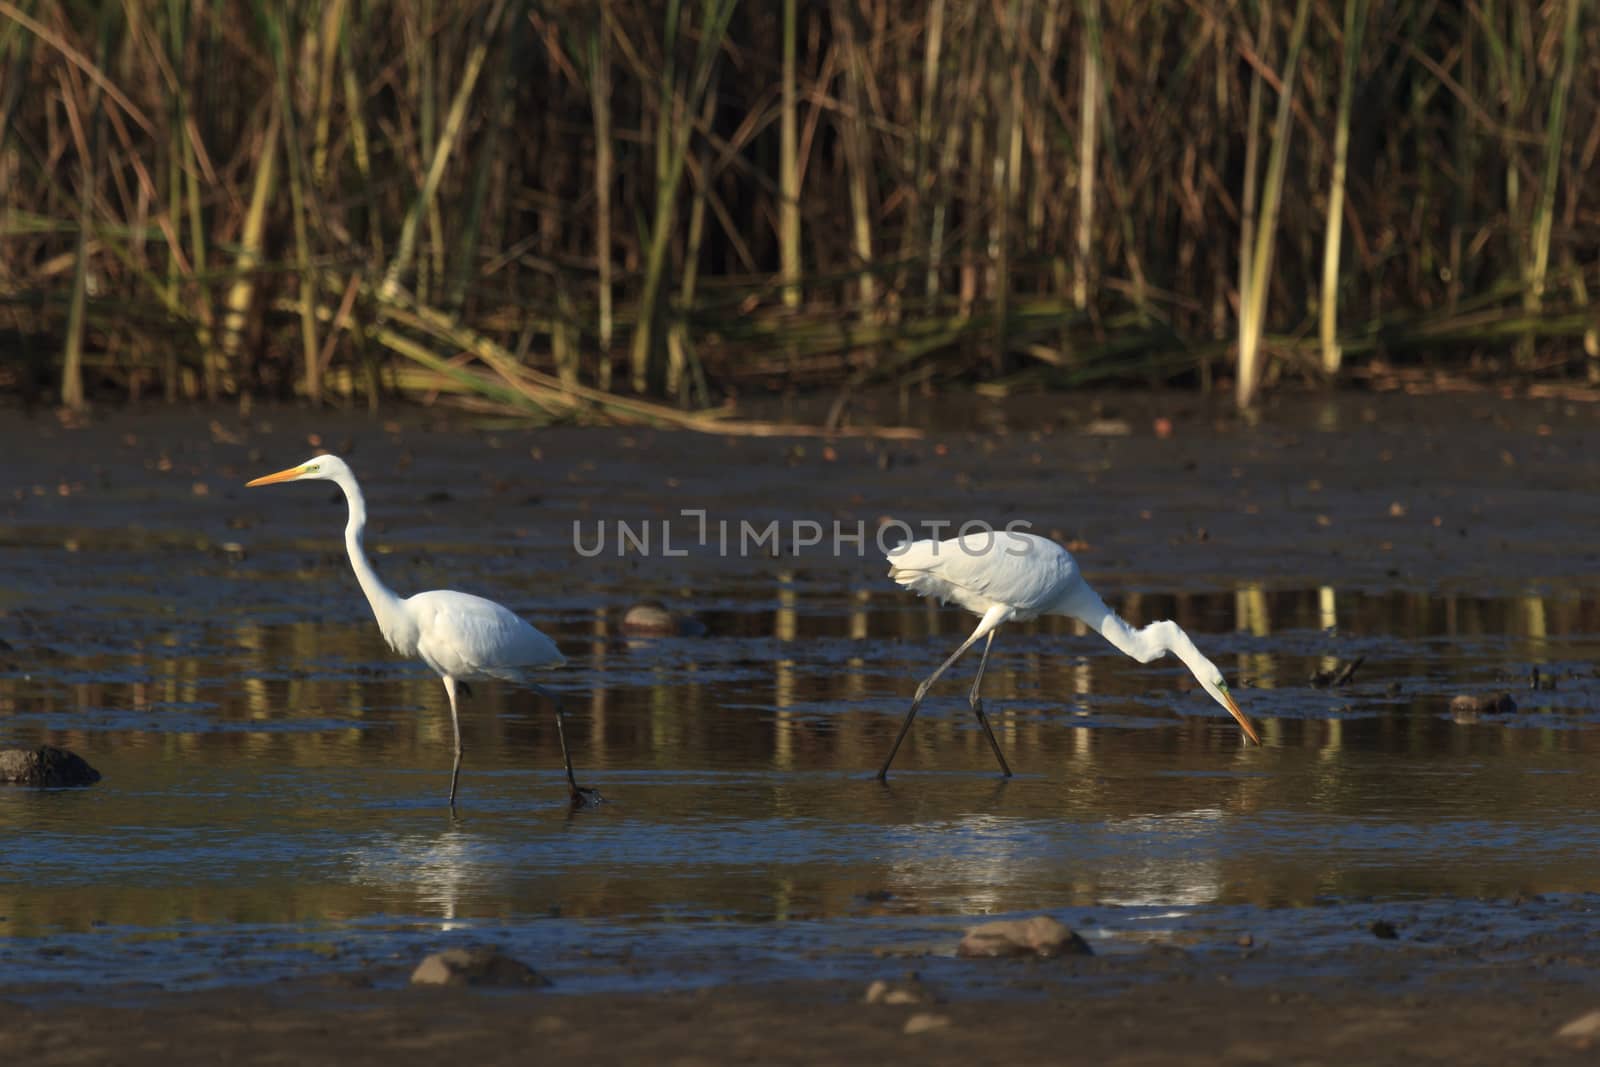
{"x":268,"y":854}
{"x":1392,"y":1002}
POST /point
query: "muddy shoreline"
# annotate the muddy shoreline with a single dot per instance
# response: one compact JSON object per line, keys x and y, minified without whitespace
{"x":1370,"y":489}
{"x":1390,"y":1004}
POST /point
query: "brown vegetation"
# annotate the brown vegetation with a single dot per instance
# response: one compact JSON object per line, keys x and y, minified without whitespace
{"x":635,"y":210}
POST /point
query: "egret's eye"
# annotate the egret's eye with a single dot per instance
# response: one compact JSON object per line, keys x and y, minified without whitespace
{"x":311,"y":468}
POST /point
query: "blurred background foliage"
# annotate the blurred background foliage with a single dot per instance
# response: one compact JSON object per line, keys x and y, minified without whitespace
{"x":639,"y":209}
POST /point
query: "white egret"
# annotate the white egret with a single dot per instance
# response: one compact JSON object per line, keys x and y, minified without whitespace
{"x":460,"y":636}
{"x":1006,"y":575}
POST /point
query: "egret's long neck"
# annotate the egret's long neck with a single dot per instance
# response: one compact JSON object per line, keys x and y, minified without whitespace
{"x":385,"y":605}
{"x":1144,"y":645}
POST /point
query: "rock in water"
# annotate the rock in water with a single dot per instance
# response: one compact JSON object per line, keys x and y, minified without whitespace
{"x":1038,"y":936}
{"x":475,"y":966}
{"x":45,"y":766}
{"x":649,"y":620}
{"x":1490,"y":703}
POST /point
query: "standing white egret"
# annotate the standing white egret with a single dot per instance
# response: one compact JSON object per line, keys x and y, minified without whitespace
{"x":460,"y":636}
{"x":1005,"y":575}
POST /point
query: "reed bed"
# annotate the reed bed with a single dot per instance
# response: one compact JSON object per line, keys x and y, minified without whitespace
{"x":626,"y":210}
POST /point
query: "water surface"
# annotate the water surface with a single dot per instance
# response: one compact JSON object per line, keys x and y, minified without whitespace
{"x":274,"y":779}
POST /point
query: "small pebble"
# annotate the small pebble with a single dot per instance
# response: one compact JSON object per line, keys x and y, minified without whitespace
{"x":1038,"y":936}
{"x":881,"y":992}
{"x":1582,"y":1030}
{"x":922,"y":1022}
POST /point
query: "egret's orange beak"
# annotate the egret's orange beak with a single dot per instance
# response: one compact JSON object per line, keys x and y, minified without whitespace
{"x":290,"y":475}
{"x":1233,"y":709}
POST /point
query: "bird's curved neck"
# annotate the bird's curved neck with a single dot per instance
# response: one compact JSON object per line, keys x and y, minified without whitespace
{"x":385,"y":604}
{"x":1146,"y":644}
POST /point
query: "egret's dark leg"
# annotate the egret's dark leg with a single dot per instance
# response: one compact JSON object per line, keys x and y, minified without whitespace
{"x":977,"y":706}
{"x":579,"y":796}
{"x":922,"y":691}
{"x":455,"y":722}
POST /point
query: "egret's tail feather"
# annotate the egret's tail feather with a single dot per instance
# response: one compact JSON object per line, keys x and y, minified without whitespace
{"x":913,"y":565}
{"x":922,"y":583}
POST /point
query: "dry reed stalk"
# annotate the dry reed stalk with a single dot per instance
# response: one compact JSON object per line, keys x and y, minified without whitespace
{"x":1355,"y":20}
{"x":789,"y":260}
{"x":1253,"y":300}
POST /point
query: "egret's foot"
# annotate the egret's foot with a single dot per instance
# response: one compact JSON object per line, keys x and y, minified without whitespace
{"x":579,"y":798}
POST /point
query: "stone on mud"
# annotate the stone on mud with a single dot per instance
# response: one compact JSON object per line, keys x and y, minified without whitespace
{"x":45,"y":766}
{"x":475,"y":967}
{"x":922,"y":1022}
{"x":881,"y":992}
{"x":1582,"y":1030}
{"x":1038,"y":936}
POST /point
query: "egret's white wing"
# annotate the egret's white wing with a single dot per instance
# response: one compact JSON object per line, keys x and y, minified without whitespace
{"x":467,"y":636}
{"x":1022,"y":570}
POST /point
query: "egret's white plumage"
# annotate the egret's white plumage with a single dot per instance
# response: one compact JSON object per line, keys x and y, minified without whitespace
{"x":979,"y":571}
{"x":466,"y":636}
{"x":1006,"y":575}
{"x":461,"y":637}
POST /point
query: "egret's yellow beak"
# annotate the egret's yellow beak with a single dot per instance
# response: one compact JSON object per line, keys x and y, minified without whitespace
{"x":288,"y":476}
{"x":1233,"y":709}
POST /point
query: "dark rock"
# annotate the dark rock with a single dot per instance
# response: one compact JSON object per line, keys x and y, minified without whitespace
{"x":1038,"y":936}
{"x":484,"y":966}
{"x":45,"y":766}
{"x":1489,"y":703}
{"x":1384,"y":930}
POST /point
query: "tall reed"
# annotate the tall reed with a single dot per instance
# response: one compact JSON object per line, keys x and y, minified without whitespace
{"x":1254,"y":287}
{"x":1355,"y":22}
{"x":717,"y":199}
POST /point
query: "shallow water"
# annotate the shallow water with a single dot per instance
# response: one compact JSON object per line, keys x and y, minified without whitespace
{"x":274,"y":779}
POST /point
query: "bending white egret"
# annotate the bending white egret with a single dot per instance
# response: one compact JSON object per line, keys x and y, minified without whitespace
{"x":1007,"y":575}
{"x":460,"y":636}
